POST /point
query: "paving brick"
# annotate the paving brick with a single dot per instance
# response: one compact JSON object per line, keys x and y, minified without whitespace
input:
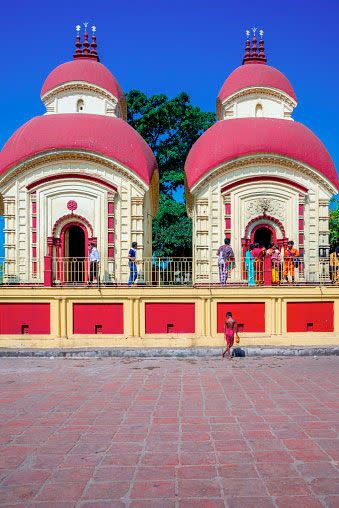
{"x":199,"y":488}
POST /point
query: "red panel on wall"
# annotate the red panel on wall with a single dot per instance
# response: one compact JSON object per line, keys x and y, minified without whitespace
{"x":97,"y":318}
{"x":310,"y":317}
{"x":249,"y":316}
{"x":170,"y":317}
{"x":25,"y":318}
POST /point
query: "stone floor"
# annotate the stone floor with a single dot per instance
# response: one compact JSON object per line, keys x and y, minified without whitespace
{"x":251,"y":432}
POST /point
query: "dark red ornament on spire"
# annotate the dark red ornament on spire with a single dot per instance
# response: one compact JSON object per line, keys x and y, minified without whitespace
{"x":77,"y":43}
{"x":247,"y":54}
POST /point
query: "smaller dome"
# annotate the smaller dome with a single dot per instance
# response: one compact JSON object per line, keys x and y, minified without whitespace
{"x":255,"y":75}
{"x":86,"y":70}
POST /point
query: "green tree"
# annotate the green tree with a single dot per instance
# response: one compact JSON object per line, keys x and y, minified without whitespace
{"x":170,"y":127}
{"x":334,"y":221}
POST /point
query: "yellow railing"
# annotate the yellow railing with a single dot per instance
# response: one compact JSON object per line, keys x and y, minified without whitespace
{"x":170,"y":271}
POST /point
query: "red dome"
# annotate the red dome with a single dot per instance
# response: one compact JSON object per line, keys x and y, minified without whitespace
{"x":104,"y":135}
{"x":229,"y":139}
{"x":254,"y":75}
{"x":83,"y":69}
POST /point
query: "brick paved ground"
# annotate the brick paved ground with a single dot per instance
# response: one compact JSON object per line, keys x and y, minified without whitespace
{"x":257,"y":432}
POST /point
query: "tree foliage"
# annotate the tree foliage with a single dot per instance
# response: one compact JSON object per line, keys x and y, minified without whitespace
{"x":170,"y":127}
{"x":334,"y":221}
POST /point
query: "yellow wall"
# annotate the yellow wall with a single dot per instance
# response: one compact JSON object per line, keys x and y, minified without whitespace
{"x":61,"y":301}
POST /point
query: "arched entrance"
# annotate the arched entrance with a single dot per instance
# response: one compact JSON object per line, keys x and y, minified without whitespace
{"x":74,"y":239}
{"x":74,"y":242}
{"x":263,"y":235}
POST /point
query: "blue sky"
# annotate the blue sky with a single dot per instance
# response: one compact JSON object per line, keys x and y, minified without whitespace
{"x":175,"y":46}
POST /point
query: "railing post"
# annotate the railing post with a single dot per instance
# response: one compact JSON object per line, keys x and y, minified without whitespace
{"x":48,"y":275}
{"x":267,"y":271}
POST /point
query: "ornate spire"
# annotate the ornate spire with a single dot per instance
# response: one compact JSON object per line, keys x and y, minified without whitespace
{"x":261,"y":55}
{"x":77,"y":42}
{"x":86,"y":49}
{"x":251,"y":53}
{"x":247,"y":54}
{"x":94,"y":43}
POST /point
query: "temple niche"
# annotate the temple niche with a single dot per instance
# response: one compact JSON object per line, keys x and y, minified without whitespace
{"x":79,"y":174}
{"x":256,"y":175}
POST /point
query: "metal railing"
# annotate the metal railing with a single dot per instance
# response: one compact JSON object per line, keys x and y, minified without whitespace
{"x":169,"y":271}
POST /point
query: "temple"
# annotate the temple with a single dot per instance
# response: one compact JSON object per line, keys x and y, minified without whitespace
{"x":79,"y":174}
{"x":258,"y":176}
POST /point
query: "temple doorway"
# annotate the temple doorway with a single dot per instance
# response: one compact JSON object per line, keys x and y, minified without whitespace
{"x":263,"y":236}
{"x":74,"y":254}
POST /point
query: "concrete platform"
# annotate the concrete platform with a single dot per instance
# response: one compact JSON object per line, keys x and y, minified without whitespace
{"x":167,"y":352}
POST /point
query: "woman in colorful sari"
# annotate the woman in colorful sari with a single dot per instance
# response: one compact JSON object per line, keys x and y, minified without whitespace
{"x":259,"y":254}
{"x":275,"y":256}
{"x":249,"y":264}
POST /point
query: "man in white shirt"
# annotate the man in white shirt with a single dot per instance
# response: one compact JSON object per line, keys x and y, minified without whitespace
{"x":94,"y":259}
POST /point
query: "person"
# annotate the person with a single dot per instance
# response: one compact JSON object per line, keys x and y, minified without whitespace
{"x":132,"y":263}
{"x":225,"y":260}
{"x":258,"y":254}
{"x":249,"y":264}
{"x":291,"y":255}
{"x":94,"y":260}
{"x":230,"y":328}
{"x":275,"y":256}
{"x":334,"y":266}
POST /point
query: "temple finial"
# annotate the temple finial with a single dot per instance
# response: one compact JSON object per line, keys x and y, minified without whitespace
{"x":77,"y":52}
{"x":85,"y":43}
{"x":262,"y":55}
{"x":247,"y":54}
{"x":94,"y":53}
{"x":252,"y":55}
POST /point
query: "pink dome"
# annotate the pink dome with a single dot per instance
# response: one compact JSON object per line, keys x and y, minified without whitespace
{"x":255,"y":75}
{"x":104,"y":135}
{"x":227,"y":140}
{"x":83,"y":69}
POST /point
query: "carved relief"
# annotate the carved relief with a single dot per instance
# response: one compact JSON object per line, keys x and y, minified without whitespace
{"x":265,"y":206}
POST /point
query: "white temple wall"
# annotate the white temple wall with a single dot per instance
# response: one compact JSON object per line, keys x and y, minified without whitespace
{"x":250,"y":200}
{"x":84,"y":101}
{"x":51,"y":200}
{"x":258,"y":105}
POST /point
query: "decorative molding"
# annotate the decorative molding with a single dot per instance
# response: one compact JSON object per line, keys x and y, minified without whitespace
{"x":262,"y":160}
{"x":71,"y":217}
{"x":264,"y":217}
{"x":73,"y":155}
{"x":75,"y":86}
{"x":63,"y":176}
{"x":253,"y":179}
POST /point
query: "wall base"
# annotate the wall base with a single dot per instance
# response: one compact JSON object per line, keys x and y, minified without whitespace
{"x":118,"y":317}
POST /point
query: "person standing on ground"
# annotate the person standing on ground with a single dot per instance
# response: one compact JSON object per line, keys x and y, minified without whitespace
{"x":132,"y":263}
{"x":230,"y":329}
{"x":225,"y":259}
{"x":291,"y":255}
{"x":94,"y":260}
